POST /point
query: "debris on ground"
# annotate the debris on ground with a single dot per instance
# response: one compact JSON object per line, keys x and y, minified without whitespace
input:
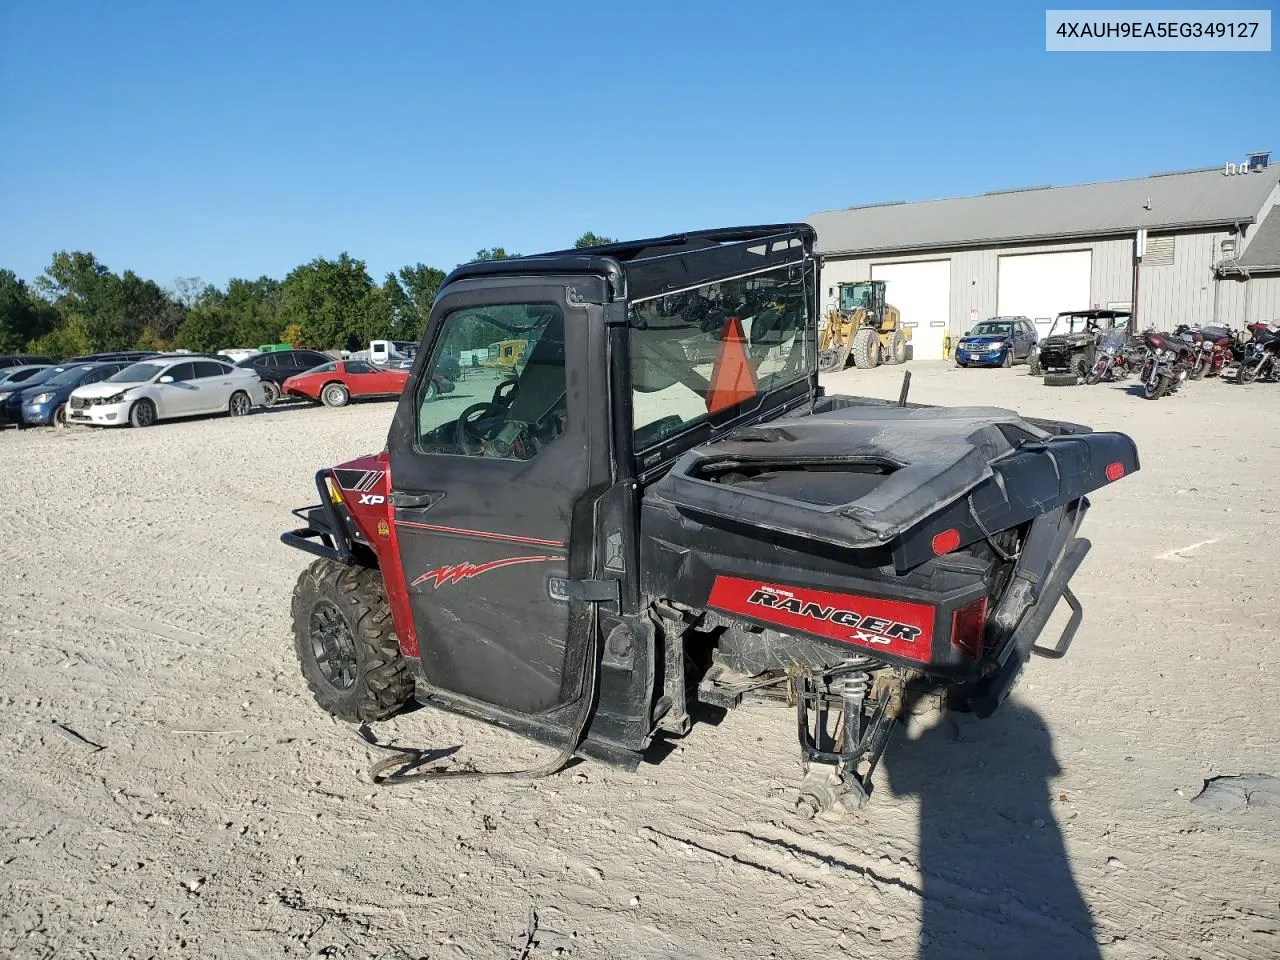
{"x":1248,"y":791}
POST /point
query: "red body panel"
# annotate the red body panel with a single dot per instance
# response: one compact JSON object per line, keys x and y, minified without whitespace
{"x":371,"y":511}
{"x":886,"y":626}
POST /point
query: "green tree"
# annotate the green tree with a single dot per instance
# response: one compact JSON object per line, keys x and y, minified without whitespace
{"x":253,"y":312}
{"x":208,"y":325}
{"x":493,"y":253}
{"x":590,"y":239}
{"x":329,"y":300}
{"x":114,"y":310}
{"x":410,"y":294}
{"x":24,"y":317}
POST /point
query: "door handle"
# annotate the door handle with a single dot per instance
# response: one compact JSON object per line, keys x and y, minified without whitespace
{"x":421,"y":500}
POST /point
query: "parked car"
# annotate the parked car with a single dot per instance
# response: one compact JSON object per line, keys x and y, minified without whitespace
{"x":998,"y":342}
{"x":12,"y":375}
{"x":276,"y":366}
{"x":11,"y":394}
{"x":161,"y":388}
{"x":25,"y":360}
{"x":338,"y":381}
{"x":46,"y":404}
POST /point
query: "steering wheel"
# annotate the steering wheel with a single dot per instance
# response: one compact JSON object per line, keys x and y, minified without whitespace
{"x":505,"y":392}
{"x":499,"y":443}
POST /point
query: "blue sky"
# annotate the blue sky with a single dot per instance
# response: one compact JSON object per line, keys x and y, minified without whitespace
{"x":234,"y":139}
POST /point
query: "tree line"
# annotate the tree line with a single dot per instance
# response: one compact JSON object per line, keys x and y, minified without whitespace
{"x":78,"y":305}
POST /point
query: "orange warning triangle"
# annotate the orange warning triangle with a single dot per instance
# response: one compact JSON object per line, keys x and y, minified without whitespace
{"x":732,"y":379}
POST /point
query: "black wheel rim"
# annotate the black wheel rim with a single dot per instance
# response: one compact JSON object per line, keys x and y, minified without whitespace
{"x":333,"y":646}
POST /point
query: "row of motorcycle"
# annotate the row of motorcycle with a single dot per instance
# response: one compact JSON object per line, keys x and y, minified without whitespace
{"x":1164,"y":361}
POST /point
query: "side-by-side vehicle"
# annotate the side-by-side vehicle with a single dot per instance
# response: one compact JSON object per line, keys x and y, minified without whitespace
{"x":659,"y":505}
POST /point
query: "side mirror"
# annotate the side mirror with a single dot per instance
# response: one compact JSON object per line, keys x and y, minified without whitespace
{"x":165,"y":379}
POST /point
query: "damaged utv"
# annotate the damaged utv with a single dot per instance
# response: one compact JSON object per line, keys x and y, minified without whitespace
{"x":659,"y":505}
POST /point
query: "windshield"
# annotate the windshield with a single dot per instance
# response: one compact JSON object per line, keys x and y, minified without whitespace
{"x":705,"y":351}
{"x":39,"y":377}
{"x":991,"y":328}
{"x":138,"y":373}
{"x":854,"y":296}
{"x":69,"y":375}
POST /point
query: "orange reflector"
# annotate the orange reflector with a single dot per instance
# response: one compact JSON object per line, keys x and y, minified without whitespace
{"x":1115,"y":471}
{"x":732,"y":379}
{"x":946,"y":541}
{"x":968,"y":624}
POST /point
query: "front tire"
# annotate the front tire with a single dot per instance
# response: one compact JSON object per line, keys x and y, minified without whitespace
{"x":1157,"y":391}
{"x":1007,"y":362}
{"x":142,"y":413}
{"x":334,"y":395}
{"x":1033,"y":365}
{"x":866,"y":348}
{"x":346,"y":643}
{"x":60,"y":416}
{"x":1247,"y":372}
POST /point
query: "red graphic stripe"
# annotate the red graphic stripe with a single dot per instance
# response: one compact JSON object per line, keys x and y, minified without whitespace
{"x":457,"y":572}
{"x":483,"y":535}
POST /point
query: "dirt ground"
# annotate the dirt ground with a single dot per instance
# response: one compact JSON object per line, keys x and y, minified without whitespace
{"x":145,"y":605}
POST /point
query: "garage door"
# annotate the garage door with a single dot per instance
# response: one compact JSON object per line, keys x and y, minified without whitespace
{"x":1042,"y":285}
{"x":922,"y":292}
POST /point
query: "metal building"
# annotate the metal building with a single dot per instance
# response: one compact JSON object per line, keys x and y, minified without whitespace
{"x":1199,"y":246}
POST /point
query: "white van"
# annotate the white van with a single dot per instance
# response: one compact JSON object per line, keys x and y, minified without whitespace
{"x":387,"y":353}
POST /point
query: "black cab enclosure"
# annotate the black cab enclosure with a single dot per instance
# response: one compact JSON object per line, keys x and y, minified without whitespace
{"x":645,"y":500}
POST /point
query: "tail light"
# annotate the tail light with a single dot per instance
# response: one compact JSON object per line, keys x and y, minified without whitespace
{"x":968,"y":624}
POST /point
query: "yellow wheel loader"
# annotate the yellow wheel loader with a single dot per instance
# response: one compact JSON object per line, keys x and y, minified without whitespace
{"x":862,"y":327}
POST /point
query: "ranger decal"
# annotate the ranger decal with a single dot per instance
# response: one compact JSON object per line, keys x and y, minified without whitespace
{"x":891,"y":626}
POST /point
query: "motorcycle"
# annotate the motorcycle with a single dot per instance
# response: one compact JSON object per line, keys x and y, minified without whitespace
{"x":1167,"y":365}
{"x":1212,"y":346}
{"x":1262,"y":358}
{"x":1117,"y":358}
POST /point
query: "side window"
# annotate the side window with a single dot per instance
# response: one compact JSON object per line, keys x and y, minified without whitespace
{"x":180,"y":372}
{"x":704,"y":351}
{"x":264,"y":361}
{"x":514,"y":404}
{"x":357,"y":366}
{"x":308,"y":360}
{"x":100,"y":374}
{"x":209,"y":368}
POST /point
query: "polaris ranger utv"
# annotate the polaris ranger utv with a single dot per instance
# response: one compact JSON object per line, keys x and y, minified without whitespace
{"x":582,"y":548}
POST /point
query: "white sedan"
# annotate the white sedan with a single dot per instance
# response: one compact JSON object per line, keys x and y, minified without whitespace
{"x":161,"y":388}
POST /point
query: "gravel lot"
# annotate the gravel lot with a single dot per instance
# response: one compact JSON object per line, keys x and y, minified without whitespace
{"x":145,"y":605}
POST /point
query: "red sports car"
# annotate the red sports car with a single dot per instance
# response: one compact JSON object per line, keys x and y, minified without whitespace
{"x":336,"y":383}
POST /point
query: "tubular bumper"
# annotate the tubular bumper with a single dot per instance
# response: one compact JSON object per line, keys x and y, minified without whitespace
{"x":325,"y":535}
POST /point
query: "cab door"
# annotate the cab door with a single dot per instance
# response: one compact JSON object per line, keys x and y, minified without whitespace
{"x":493,"y":489}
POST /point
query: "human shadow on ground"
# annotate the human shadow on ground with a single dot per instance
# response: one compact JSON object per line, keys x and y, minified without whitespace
{"x":996,"y":878}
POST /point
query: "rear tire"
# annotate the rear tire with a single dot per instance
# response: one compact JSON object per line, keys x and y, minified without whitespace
{"x":866,"y":348}
{"x":272,"y":392}
{"x":898,"y":347}
{"x":346,"y":643}
{"x":239,"y":405}
{"x":142,"y":413}
{"x":334,"y":395}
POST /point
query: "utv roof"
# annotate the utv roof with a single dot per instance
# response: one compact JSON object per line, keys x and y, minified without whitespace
{"x":639,"y":269}
{"x":1097,"y":314}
